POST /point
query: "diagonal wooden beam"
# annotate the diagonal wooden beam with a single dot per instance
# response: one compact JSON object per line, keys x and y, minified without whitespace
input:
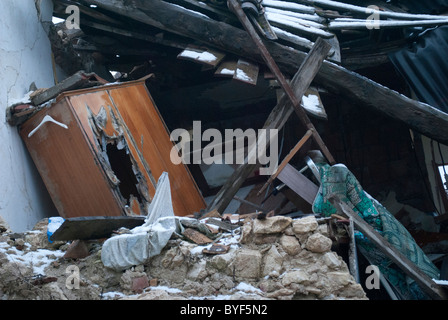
{"x":285,"y":161}
{"x":235,"y":6}
{"x":276,"y":120}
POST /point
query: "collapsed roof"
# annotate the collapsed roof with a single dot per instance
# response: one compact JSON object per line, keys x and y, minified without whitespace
{"x":127,"y":32}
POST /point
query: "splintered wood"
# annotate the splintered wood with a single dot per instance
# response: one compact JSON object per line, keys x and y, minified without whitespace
{"x":196,"y":236}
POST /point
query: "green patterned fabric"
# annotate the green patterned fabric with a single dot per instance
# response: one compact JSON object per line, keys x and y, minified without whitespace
{"x":338,"y":180}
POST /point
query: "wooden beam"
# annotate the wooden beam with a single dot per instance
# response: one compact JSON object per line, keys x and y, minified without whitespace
{"x":425,"y":282}
{"x":352,"y":252}
{"x":382,"y":24}
{"x":276,"y":120}
{"x":285,"y":161}
{"x":298,"y":183}
{"x":235,"y":6}
{"x":341,"y":7}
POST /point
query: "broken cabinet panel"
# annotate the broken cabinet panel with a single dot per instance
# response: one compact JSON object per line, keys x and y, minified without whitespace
{"x":68,"y":165}
{"x":107,"y":153}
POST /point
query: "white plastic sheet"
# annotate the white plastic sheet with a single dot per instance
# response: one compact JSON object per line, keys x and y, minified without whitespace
{"x":143,"y":242}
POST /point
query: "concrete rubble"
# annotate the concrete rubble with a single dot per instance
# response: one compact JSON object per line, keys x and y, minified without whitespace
{"x":277,"y":258}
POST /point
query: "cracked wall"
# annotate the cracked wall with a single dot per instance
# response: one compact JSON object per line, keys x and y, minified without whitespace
{"x":25,"y":57}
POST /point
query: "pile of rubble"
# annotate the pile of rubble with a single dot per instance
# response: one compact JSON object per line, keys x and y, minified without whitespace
{"x":273,"y":258}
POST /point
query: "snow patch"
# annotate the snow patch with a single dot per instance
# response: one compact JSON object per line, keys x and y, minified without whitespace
{"x":38,"y":260}
{"x":201,"y":56}
{"x":311,"y":103}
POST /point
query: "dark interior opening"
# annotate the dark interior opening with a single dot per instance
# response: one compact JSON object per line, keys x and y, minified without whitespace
{"x":121,"y":165}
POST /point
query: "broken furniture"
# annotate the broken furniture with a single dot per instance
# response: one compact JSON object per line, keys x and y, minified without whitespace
{"x":101,"y":150}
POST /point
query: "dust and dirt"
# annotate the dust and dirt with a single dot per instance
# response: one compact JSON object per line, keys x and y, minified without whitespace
{"x":277,"y":258}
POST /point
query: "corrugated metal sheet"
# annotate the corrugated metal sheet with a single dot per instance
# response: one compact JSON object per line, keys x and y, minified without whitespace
{"x":423,"y":6}
{"x":425,"y":67}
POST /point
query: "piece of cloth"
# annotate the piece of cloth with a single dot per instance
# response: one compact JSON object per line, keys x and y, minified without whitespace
{"x":338,"y":180}
{"x":143,"y":242}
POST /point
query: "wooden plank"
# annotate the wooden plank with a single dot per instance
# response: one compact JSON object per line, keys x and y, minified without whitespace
{"x":196,"y":236}
{"x":202,"y":55}
{"x":216,"y":248}
{"x":254,"y":205}
{"x":90,"y":228}
{"x":298,"y":183}
{"x":381,"y":24}
{"x":276,"y":120}
{"x":246,"y":72}
{"x":226,"y":69}
{"x":76,"y":81}
{"x":290,"y":6}
{"x":224,"y":225}
{"x":235,"y":6}
{"x":130,"y":34}
{"x":306,"y":16}
{"x":425,"y":282}
{"x":285,"y":161}
{"x":294,"y":39}
{"x":312,"y":103}
{"x":352,"y":252}
{"x":341,"y":7}
{"x":299,"y":26}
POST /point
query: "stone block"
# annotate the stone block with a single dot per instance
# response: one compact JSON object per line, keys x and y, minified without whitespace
{"x":304,"y":225}
{"x":272,"y":262}
{"x":331,"y":260}
{"x":271,"y":225}
{"x":295,"y":276}
{"x":247,"y":264}
{"x":198,"y":271}
{"x":290,"y":245}
{"x":318,"y":243}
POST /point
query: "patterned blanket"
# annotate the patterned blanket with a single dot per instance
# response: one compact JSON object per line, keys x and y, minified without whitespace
{"x":338,"y":180}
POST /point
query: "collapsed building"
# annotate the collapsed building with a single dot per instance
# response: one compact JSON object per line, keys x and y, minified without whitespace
{"x":363,"y":84}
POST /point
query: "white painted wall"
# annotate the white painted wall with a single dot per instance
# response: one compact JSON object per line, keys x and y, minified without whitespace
{"x":25,"y":56}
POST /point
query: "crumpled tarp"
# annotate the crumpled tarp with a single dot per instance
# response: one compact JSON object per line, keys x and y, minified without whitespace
{"x":143,"y":242}
{"x":338,"y":180}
